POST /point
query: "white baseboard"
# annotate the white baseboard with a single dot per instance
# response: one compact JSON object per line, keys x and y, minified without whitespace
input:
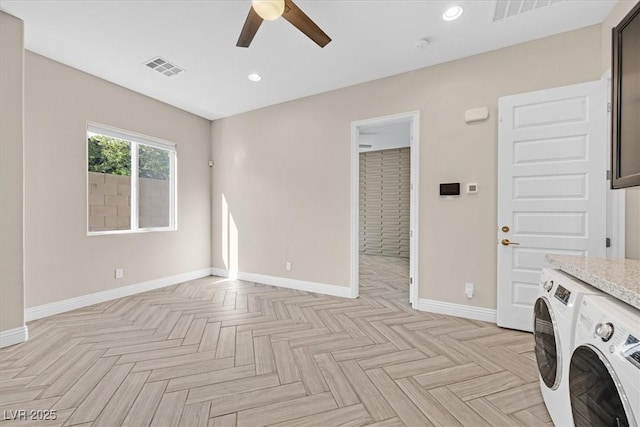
{"x":45,"y":310}
{"x":14,"y":336}
{"x":221,"y":272}
{"x":459,"y":310}
{"x":18,"y":335}
{"x":283,"y":282}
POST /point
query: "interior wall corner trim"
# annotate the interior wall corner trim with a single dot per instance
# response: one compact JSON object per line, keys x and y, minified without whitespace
{"x":14,"y":336}
{"x":46,"y":310}
{"x":284,"y":282}
{"x":459,"y":310}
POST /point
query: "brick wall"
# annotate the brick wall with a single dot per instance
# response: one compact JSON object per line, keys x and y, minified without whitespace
{"x":154,"y":203}
{"x":110,"y":202}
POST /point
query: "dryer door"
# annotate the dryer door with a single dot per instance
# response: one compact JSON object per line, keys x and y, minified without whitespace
{"x":547,"y":339}
{"x":596,"y":396}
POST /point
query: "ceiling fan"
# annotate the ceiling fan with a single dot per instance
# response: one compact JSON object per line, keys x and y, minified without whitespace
{"x":271,"y":10}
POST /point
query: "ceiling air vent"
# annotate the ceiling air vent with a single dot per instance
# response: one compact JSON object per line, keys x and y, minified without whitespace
{"x":163,"y":66}
{"x":509,"y":8}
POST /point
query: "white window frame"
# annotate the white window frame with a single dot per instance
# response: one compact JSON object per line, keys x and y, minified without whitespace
{"x":136,"y":139}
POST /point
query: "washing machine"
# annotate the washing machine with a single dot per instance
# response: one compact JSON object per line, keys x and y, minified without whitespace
{"x":555,"y":314}
{"x":604,"y":371}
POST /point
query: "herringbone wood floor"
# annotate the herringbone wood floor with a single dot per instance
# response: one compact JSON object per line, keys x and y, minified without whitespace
{"x":220,"y":352}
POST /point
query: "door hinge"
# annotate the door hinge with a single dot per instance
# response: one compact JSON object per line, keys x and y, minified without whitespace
{"x":609,"y":175}
{"x":410,"y":280}
{"x":608,"y":242}
{"x":608,"y":107}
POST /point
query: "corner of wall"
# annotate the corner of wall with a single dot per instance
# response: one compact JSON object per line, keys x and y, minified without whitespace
{"x":12,"y":328}
{"x":14,"y":336}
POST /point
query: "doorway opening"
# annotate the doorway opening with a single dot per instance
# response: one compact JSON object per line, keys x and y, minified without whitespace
{"x":384,"y":202}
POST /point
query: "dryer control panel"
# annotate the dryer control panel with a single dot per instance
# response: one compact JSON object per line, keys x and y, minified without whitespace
{"x":562,"y":294}
{"x":631,"y":350}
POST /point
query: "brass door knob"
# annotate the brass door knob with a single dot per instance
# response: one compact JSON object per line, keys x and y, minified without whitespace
{"x":506,"y":242}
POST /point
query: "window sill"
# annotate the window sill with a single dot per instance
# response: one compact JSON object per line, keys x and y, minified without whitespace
{"x":139,"y":231}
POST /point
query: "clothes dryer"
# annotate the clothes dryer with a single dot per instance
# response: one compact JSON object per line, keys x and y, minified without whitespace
{"x":604,"y":370}
{"x":555,"y":313}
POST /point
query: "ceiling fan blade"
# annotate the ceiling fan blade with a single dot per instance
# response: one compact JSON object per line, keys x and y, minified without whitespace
{"x":249,"y":29}
{"x":301,"y":21}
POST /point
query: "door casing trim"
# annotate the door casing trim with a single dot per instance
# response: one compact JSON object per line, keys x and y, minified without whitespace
{"x":413,"y":117}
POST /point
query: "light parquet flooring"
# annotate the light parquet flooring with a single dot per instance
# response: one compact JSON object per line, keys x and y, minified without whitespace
{"x":218,"y":352}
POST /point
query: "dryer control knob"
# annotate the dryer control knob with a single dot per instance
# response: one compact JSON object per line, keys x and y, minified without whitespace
{"x":547,"y":285}
{"x":604,"y":331}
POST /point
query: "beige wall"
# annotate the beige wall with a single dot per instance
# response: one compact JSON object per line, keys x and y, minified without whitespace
{"x":282,"y":171}
{"x":632,"y":240}
{"x":11,"y":172}
{"x":61,"y":261}
{"x":285,"y":170}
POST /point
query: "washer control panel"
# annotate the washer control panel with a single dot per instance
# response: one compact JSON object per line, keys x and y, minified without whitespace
{"x":604,"y":331}
{"x":599,"y":327}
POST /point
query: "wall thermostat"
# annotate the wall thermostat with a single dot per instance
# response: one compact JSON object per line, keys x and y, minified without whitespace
{"x":450,"y":189}
{"x":472,"y":188}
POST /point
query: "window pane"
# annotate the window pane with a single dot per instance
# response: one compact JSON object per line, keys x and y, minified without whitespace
{"x":154,"y":187}
{"x":109,"y":167}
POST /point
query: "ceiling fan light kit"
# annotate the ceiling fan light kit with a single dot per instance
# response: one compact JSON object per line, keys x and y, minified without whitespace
{"x":269,"y":10}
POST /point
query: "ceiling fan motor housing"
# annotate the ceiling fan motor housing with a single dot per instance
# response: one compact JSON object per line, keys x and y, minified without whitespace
{"x":272,"y":9}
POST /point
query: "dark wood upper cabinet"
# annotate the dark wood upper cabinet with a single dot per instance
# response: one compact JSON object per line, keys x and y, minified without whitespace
{"x":625,"y":69}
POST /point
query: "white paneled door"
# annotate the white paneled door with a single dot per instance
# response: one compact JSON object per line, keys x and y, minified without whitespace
{"x":551,"y":188}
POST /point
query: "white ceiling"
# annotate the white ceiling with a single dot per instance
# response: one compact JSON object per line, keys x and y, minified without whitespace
{"x":371,"y":39}
{"x":384,"y":137}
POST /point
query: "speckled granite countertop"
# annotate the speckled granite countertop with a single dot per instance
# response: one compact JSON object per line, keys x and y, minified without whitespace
{"x":617,"y":277}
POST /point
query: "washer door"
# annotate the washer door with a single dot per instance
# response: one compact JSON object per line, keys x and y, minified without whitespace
{"x":596,"y":397}
{"x":547,"y":340}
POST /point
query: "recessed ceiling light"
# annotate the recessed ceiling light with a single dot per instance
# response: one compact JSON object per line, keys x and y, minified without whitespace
{"x":452,"y":13}
{"x":254,"y":77}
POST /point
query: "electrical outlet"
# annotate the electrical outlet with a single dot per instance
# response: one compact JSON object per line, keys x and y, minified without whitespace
{"x":468,"y":289}
{"x":288,"y":266}
{"x":119,"y":273}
